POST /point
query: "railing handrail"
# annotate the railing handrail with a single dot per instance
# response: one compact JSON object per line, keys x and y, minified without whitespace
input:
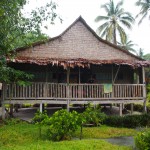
{"x":78,"y":83}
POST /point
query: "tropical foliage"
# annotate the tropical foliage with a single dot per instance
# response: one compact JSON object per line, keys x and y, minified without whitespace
{"x":142,"y":140}
{"x":127,"y":45}
{"x":147,"y":56}
{"x":140,"y":53}
{"x":114,"y":21}
{"x":145,"y":9}
{"x":14,"y":28}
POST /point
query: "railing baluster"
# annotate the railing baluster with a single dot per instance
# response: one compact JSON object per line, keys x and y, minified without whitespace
{"x":80,"y":91}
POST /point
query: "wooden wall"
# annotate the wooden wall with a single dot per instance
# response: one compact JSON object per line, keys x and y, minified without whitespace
{"x":97,"y":73}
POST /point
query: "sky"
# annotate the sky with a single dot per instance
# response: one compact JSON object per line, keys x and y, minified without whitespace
{"x":70,"y":10}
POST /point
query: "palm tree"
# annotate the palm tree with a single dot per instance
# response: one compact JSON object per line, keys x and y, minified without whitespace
{"x":140,"y":53}
{"x":113,"y":21}
{"x":145,"y":8}
{"x":127,"y":44}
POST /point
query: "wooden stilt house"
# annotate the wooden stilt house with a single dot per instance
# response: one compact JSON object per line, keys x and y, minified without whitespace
{"x":77,"y":67}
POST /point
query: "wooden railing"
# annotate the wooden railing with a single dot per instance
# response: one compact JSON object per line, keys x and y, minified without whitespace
{"x":72,"y":91}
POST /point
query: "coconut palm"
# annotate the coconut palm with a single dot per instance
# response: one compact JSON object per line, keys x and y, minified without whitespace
{"x":140,"y":53}
{"x":145,"y":9}
{"x":128,"y":45}
{"x":113,"y":22}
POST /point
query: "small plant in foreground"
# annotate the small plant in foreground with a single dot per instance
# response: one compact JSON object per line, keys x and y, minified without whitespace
{"x":142,"y":140}
{"x":93,"y":116}
{"x":11,"y":121}
{"x":39,"y":119}
{"x":63,"y":124}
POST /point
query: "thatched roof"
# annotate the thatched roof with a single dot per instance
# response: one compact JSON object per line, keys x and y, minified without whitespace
{"x":78,"y":45}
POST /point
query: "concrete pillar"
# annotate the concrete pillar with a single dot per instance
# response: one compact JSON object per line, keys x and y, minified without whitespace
{"x":3,"y":111}
{"x":144,"y":90}
{"x":3,"y":105}
{"x":122,"y":106}
{"x":68,"y":78}
{"x":41,"y":107}
{"x":145,"y":108}
{"x":120,"y":109}
{"x":68,"y":105}
{"x":132,"y":109}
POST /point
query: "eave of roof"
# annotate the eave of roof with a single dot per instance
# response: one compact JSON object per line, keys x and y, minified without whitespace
{"x":78,"y":62}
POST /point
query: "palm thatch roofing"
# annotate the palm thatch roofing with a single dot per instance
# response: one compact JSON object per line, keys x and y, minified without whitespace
{"x":78,"y":45}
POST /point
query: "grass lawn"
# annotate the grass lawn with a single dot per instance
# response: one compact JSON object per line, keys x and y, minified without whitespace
{"x":24,"y":136}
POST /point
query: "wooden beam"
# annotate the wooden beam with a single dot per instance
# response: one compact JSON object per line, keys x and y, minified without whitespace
{"x":116,"y":75}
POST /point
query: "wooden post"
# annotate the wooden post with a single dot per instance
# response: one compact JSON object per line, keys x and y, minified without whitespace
{"x":3,"y":98}
{"x":68,"y":74}
{"x":79,"y":76}
{"x":120,"y":109}
{"x":122,"y":106}
{"x":144,"y":90}
{"x":132,"y":108}
{"x":112,"y":73}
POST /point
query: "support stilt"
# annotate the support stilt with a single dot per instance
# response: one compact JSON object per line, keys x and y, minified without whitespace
{"x":145,"y":108}
{"x":120,"y":109}
{"x":144,"y":90}
{"x":68,"y":76}
{"x":41,"y":107}
{"x":132,"y":109}
{"x":68,"y":108}
{"x":3,"y":111}
{"x":3,"y":105}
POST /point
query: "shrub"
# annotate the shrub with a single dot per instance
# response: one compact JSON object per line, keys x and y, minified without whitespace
{"x":93,"y":116}
{"x":63,"y":124}
{"x":137,"y":107}
{"x":132,"y":121}
{"x":40,"y":117}
{"x":142,"y":140}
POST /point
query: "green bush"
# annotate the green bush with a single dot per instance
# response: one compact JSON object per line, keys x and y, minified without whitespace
{"x":148,"y":91}
{"x":93,"y":116}
{"x":137,"y":107}
{"x":142,"y":140}
{"x":40,"y":117}
{"x":63,"y":124}
{"x":132,"y":121}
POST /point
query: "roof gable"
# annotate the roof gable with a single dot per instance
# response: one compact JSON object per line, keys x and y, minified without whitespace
{"x":78,"y":43}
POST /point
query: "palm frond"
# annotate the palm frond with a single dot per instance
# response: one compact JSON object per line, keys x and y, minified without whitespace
{"x":104,"y":33}
{"x":128,"y":18}
{"x":126,"y":23}
{"x":143,"y":17}
{"x":106,"y":7}
{"x":119,"y":4}
{"x":102,"y":27}
{"x":99,"y":18}
{"x":145,"y":8}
